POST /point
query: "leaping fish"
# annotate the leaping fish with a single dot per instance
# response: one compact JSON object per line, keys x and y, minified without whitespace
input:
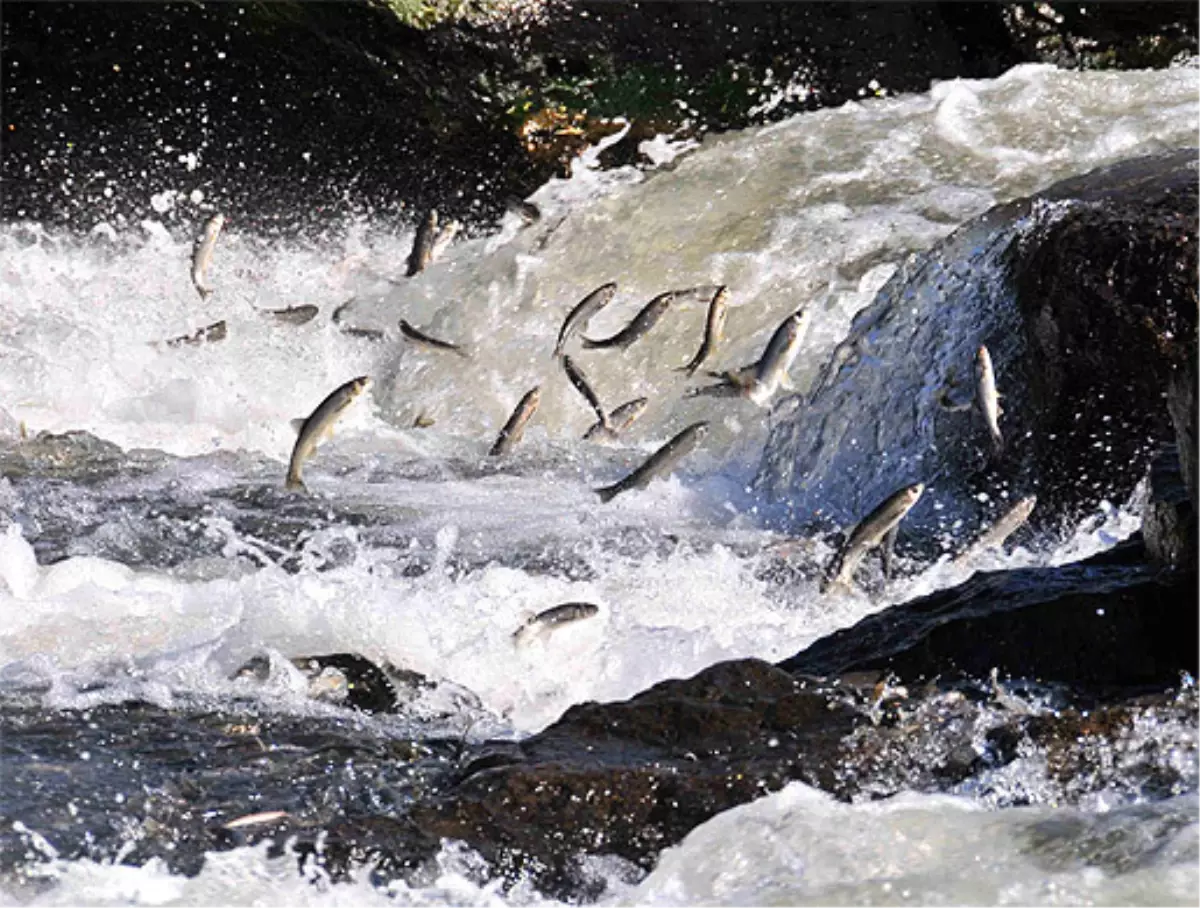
{"x":988,"y":396}
{"x":203,"y":253}
{"x":514,"y":429}
{"x":714,"y":326}
{"x":760,"y":381}
{"x":660,"y":463}
{"x":422,"y":250}
{"x":553,"y":618}
{"x":584,"y":310}
{"x":421,"y":339}
{"x":877,"y":527}
{"x":996,"y":535}
{"x":648,"y":316}
{"x":319,"y":426}
{"x":619,"y":420}
{"x":579,"y":380}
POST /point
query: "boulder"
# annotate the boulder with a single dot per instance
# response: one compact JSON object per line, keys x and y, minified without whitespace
{"x":1084,"y":295}
{"x":1111,"y":623}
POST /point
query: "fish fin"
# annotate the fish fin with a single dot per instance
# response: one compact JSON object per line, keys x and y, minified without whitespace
{"x":295,"y":484}
{"x":297,"y":424}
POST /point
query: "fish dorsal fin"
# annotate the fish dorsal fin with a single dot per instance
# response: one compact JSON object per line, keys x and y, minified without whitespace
{"x":297,"y":424}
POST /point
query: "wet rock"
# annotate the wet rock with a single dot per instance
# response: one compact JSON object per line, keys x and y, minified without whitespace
{"x":1169,"y":516}
{"x":1096,"y":625}
{"x":1085,"y":296}
{"x":632,"y":778}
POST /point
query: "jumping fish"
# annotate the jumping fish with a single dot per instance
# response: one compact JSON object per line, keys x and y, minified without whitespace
{"x":874,"y":529}
{"x":714,"y":326}
{"x":432,"y":343}
{"x":209,"y":334}
{"x":579,"y":380}
{"x":293,"y":315}
{"x":760,"y":381}
{"x":202,"y":256}
{"x":996,"y":535}
{"x":258,"y":819}
{"x":422,"y":250}
{"x":445,"y":236}
{"x":579,"y":316}
{"x":660,"y":463}
{"x":619,"y":420}
{"x":514,"y":429}
{"x":319,"y":426}
{"x":647,"y":318}
{"x":552,"y":619}
{"x":988,"y":396}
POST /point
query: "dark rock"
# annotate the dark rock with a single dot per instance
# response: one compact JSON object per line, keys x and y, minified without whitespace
{"x":1168,"y":516}
{"x":1085,"y":296}
{"x":1093,"y":626}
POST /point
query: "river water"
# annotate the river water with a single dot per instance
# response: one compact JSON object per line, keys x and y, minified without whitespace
{"x":152,"y":570}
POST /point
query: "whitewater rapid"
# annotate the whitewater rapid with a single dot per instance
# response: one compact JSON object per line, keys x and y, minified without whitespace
{"x":157,"y":580}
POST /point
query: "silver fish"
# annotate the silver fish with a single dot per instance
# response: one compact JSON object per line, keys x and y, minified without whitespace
{"x":319,"y":426}
{"x":996,"y":535}
{"x":582,"y":313}
{"x":432,"y":343}
{"x":514,"y":429}
{"x":423,"y":242}
{"x":553,"y":618}
{"x":445,"y":236}
{"x":870,"y":532}
{"x":988,"y":396}
{"x":293,"y":315}
{"x":202,"y":256}
{"x":619,"y":420}
{"x":714,"y":326}
{"x":579,"y":380}
{"x":760,"y":381}
{"x":209,"y":334}
{"x":660,"y":463}
{"x":647,"y":318}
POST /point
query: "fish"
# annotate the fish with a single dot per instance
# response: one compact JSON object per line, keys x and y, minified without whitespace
{"x":579,"y":380}
{"x":423,"y":421}
{"x":641,"y":324}
{"x":209,"y":334}
{"x":714,"y":326}
{"x":759,"y":382}
{"x":661,"y":463}
{"x":527,"y":211}
{"x":872,"y":530}
{"x":293,"y":315}
{"x":988,"y":397}
{"x":421,"y":339}
{"x":514,"y":429}
{"x":579,"y":316}
{"x":423,"y":242}
{"x":772,"y":370}
{"x":203,"y":253}
{"x":257,"y":819}
{"x":619,"y":420}
{"x":995,"y":535}
{"x":319,"y":426}
{"x":553,"y":618}
{"x":445,"y":236}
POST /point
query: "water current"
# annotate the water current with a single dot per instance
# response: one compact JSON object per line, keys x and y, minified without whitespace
{"x":151,"y":561}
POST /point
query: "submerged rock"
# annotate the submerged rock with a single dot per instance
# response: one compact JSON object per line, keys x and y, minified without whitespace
{"x":1085,"y":296}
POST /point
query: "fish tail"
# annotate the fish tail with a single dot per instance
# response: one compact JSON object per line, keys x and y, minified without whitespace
{"x":295,"y":483}
{"x":608,"y":493}
{"x":588,"y":344}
